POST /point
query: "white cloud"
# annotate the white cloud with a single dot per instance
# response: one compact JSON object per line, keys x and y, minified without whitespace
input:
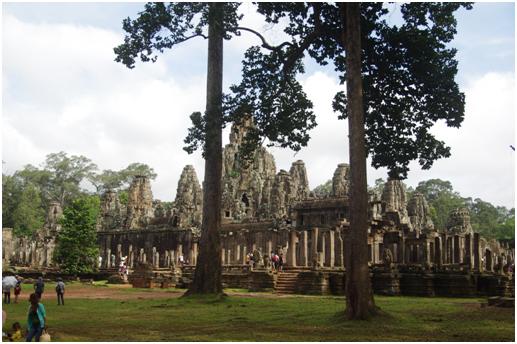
{"x":63,"y":91}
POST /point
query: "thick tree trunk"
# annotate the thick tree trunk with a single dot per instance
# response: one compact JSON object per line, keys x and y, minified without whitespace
{"x":359,"y":297}
{"x":207,"y":277}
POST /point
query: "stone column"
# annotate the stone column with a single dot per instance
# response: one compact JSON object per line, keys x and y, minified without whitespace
{"x":195,"y":253}
{"x":244,"y":253}
{"x":323,"y":248}
{"x":332,"y":248}
{"x":341,"y":254}
{"x":108,"y":258}
{"x":305,"y":249}
{"x":153,"y":258}
{"x":238,"y":254}
{"x":229,"y":257}
{"x":291,"y":250}
{"x":314,"y":247}
{"x":401,"y":256}
{"x":438,"y":251}
{"x":456,"y":249}
{"x":222,"y":257}
{"x":476,"y":255}
{"x":468,"y":251}
{"x":445,"y":249}
{"x":269,"y":247}
{"x":427,"y":252}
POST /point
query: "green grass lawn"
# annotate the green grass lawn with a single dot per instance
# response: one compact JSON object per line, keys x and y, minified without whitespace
{"x":268,"y":318}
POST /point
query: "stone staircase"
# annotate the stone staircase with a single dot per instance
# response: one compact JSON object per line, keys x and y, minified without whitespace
{"x":286,"y":283}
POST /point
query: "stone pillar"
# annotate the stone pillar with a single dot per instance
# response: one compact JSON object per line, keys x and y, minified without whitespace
{"x":291,"y":250}
{"x":269,"y":247}
{"x":401,"y":256}
{"x":194,"y":253}
{"x":153,"y":258}
{"x":108,"y":258}
{"x":456,"y":250}
{"x":314,"y":247}
{"x":323,"y":248}
{"x":477,"y":257}
{"x":237,"y":254}
{"x":222,"y":257}
{"x":305,"y":249}
{"x":427,"y":252}
{"x":468,"y":251}
{"x":157,"y":259}
{"x":332,"y":248}
{"x":445,"y":249}
{"x":438,"y":251}
{"x":341,"y":254}
{"x":229,"y":257}
{"x":244,"y":254}
{"x":180,"y":250}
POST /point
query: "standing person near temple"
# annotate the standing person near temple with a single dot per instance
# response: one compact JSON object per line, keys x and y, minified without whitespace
{"x":39,"y":287}
{"x":60,"y":291}
{"x":17,"y":289}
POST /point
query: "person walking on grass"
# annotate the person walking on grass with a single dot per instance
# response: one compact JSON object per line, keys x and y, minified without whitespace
{"x":39,"y":287}
{"x":60,"y":291}
{"x":36,"y":318}
{"x":17,"y":289}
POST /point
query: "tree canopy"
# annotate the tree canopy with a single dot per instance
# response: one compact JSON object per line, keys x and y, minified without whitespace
{"x":76,"y":249}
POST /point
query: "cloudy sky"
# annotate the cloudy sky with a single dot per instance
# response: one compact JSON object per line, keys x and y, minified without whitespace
{"x":62,"y":91}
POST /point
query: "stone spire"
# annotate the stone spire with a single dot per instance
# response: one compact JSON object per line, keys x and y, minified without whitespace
{"x":300,"y":181}
{"x":139,"y":203}
{"x":282,"y":193}
{"x":189,"y":199}
{"x":341,"y":181}
{"x":53,"y":215}
{"x":395,"y":202}
{"x":243,"y":182}
{"x":419,"y":214}
{"x":459,"y":221}
{"x":110,"y":215}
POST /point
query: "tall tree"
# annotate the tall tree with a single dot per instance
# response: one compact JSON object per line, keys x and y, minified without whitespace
{"x":117,"y":180}
{"x":77,"y":248}
{"x":407,"y":73}
{"x":162,"y":26}
{"x":67,"y":173}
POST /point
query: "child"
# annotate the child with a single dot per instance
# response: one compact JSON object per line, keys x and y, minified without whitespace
{"x":16,"y":336}
{"x":17,"y":289}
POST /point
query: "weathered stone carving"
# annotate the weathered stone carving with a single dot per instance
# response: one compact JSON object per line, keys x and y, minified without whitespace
{"x":394,"y":198}
{"x":244,"y":182}
{"x":110,"y":215}
{"x":53,"y":216}
{"x":189,"y":200}
{"x":282,"y":194}
{"x":341,"y":181}
{"x":459,"y":222}
{"x":139,"y":203}
{"x":299,"y":179}
{"x":387,"y":259}
{"x":419,"y":214}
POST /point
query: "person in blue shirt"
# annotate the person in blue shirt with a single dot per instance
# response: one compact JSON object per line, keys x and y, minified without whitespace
{"x":36,"y":317}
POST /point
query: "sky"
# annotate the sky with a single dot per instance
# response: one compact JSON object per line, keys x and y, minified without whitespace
{"x":62,"y":91}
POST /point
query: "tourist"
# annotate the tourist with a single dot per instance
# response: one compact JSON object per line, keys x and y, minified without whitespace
{"x":39,"y":287}
{"x":60,"y":291}
{"x":280,"y":262}
{"x":7,"y":292}
{"x":181,"y":260}
{"x":36,"y":317}
{"x":17,"y":289}
{"x":16,"y":336}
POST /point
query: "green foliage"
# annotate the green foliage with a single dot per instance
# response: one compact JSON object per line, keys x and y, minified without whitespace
{"x":490,"y":221}
{"x":378,"y":186}
{"x":77,"y":249}
{"x":123,"y":197}
{"x":117,"y":180}
{"x":29,"y":215}
{"x":324,"y":189}
{"x":408,"y":76}
{"x":66,"y":174}
{"x":161,"y":26}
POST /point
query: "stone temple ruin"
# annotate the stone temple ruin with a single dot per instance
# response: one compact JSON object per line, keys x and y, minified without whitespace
{"x":266,"y":210}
